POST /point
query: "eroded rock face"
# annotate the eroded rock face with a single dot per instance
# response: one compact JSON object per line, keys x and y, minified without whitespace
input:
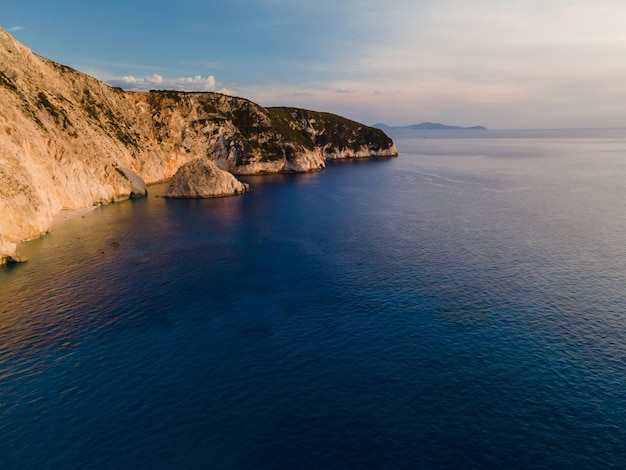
{"x":8,"y":253}
{"x":201,"y":178}
{"x":138,"y":186}
{"x":69,"y":141}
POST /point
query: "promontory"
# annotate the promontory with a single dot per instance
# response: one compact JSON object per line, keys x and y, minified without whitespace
{"x":68,"y":140}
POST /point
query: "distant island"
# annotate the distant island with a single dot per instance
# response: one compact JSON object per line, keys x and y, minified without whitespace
{"x":428,"y":126}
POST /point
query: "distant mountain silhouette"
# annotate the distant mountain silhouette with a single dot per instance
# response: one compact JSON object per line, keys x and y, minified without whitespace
{"x":430,"y":126}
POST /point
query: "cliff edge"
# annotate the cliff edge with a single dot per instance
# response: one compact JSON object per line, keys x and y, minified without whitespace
{"x":68,"y":140}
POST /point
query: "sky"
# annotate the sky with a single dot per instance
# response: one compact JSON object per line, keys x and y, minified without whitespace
{"x":505,"y":64}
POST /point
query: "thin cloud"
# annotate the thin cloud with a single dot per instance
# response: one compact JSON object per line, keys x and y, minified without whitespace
{"x":16,"y":28}
{"x":158,"y":82}
{"x":204,"y":63}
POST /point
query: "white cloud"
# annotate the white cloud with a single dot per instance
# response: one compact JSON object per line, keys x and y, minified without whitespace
{"x":158,"y":82}
{"x":154,"y":79}
{"x":16,"y":28}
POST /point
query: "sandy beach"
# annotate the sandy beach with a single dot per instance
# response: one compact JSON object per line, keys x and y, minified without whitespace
{"x":69,"y":214}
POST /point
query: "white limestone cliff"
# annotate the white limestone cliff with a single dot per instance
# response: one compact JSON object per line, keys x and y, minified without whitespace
{"x":68,"y":140}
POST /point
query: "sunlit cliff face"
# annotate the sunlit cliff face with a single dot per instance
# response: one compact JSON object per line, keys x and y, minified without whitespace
{"x":69,"y":141}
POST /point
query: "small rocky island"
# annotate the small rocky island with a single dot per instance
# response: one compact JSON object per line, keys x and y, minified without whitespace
{"x":201,"y":178}
{"x":68,"y":141}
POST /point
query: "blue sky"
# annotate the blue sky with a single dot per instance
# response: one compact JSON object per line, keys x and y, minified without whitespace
{"x":502,"y":64}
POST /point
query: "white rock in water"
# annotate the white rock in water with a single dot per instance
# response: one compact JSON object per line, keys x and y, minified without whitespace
{"x":201,"y":178}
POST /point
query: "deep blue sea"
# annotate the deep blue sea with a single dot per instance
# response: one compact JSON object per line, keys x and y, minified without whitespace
{"x":461,"y":306}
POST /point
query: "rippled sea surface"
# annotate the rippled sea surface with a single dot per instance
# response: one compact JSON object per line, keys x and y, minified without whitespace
{"x":463,"y":305}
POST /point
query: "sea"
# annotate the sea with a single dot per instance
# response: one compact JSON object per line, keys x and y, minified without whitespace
{"x":460,"y":306}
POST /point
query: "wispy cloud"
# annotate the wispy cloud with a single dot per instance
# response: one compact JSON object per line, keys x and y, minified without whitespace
{"x":16,"y":28}
{"x":204,"y":63}
{"x":158,"y":82}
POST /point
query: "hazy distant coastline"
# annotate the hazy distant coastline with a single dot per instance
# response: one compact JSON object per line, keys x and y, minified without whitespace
{"x":430,"y":126}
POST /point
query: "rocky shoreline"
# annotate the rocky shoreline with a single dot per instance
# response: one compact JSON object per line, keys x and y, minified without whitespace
{"x":69,"y":141}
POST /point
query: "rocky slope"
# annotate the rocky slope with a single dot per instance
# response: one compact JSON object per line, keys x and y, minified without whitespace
{"x":68,"y":140}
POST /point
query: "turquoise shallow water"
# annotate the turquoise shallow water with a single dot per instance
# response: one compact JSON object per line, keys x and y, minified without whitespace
{"x":460,"y":306}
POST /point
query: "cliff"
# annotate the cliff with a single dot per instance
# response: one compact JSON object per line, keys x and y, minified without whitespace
{"x":68,"y":140}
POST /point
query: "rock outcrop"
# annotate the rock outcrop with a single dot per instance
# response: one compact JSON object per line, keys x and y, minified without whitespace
{"x":201,"y":178}
{"x":138,"y":186}
{"x":340,"y":138}
{"x":8,"y":253}
{"x":68,"y":140}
